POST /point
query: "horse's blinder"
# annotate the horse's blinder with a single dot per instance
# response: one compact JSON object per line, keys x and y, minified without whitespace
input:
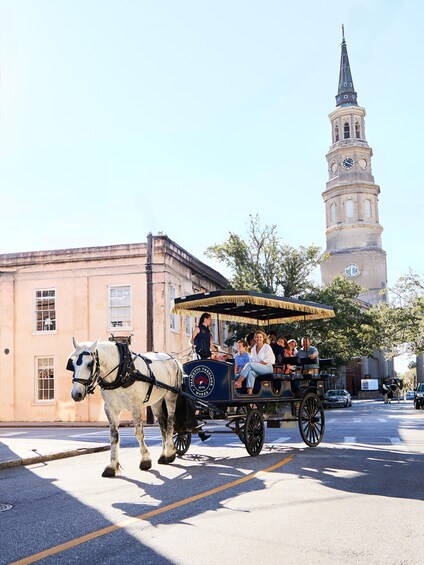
{"x":91,"y":382}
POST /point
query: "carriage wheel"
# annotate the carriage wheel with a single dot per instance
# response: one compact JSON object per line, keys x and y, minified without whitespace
{"x":182,"y":441}
{"x":254,"y":432}
{"x":311,"y":419}
{"x":241,"y":411}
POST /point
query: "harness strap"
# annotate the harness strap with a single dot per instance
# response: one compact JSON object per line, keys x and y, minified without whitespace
{"x":128,"y":374}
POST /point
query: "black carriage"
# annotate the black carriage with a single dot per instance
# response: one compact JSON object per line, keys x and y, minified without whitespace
{"x":209,"y":384}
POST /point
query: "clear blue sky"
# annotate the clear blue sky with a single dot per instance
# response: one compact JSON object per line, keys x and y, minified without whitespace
{"x":124,"y":117}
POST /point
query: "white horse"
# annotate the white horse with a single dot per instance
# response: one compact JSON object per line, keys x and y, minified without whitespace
{"x":126,"y":383}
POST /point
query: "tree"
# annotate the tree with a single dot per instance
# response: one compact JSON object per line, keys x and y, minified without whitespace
{"x":265,"y":264}
{"x":352,"y":333}
{"x":401,"y":318}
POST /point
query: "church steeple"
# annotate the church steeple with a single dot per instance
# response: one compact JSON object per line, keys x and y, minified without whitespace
{"x":346,"y":95}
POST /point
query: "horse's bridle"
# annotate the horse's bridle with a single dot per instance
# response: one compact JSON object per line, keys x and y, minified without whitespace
{"x":94,"y":366}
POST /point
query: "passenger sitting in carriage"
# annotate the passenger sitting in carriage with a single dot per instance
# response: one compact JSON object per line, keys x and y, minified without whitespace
{"x":309,"y":355}
{"x":262,"y":360}
{"x":219,"y":355}
{"x":241,"y":358}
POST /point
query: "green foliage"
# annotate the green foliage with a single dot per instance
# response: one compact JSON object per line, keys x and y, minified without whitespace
{"x":264,"y":263}
{"x":267,"y":265}
{"x":352,"y":333}
{"x":401,"y":318}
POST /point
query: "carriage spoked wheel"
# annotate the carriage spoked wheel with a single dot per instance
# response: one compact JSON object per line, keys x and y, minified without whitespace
{"x":182,"y":441}
{"x":241,"y":413}
{"x":311,"y":419}
{"x":254,"y":432}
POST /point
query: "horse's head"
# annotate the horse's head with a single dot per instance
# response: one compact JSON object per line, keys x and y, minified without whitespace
{"x":84,"y":363}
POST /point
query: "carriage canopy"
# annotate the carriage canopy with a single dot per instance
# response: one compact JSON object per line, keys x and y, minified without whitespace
{"x":249,"y":306}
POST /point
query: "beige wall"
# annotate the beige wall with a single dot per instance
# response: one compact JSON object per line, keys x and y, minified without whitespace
{"x":81,"y":278}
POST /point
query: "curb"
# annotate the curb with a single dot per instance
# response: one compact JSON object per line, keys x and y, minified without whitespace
{"x":51,"y":457}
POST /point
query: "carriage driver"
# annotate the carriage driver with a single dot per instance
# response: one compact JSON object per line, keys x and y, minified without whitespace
{"x":201,"y":338}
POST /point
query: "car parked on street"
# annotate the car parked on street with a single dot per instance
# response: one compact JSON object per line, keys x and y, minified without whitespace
{"x":410,"y":395}
{"x":419,"y":396}
{"x":337,"y":397}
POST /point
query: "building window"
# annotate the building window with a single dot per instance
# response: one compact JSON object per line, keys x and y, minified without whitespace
{"x":189,"y":325}
{"x":346,"y":130}
{"x":336,"y":133}
{"x":120,"y":315}
{"x":332,"y":213}
{"x":45,"y":310}
{"x":44,"y":379}
{"x":349,"y":210}
{"x":214,"y":331}
{"x":225,"y":332}
{"x":173,"y":319}
{"x":357,"y":130}
{"x":368,"y":209}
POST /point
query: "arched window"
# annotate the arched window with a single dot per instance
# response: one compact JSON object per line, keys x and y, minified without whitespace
{"x":346,"y":130}
{"x":332,"y":213}
{"x":368,"y":209}
{"x":336,"y":133}
{"x":349,"y":210}
{"x":357,"y":130}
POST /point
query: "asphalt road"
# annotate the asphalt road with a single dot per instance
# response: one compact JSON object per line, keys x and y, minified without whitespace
{"x":356,"y":498}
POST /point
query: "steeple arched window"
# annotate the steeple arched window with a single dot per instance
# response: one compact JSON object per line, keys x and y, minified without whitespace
{"x":336,"y":133}
{"x":333,"y":210}
{"x":368,"y":210}
{"x":357,"y":130}
{"x":349,"y":208}
{"x":346,"y":130}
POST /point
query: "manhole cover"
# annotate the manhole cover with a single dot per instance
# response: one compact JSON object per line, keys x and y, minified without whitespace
{"x":4,"y":507}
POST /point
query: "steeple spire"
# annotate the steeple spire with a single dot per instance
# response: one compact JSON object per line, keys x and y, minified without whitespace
{"x":346,"y":95}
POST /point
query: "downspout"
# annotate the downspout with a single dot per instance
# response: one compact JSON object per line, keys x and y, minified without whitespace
{"x":149,"y":308}
{"x":149,"y":293}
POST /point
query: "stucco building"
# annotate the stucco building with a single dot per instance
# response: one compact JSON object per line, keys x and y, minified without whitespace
{"x":48,"y":297}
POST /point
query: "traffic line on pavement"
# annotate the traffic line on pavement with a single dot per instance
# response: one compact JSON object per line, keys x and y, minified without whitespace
{"x":152,"y":513}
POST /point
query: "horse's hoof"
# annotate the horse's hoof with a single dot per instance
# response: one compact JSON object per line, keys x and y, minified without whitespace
{"x":145,"y":465}
{"x":166,"y":460}
{"x":109,"y":472}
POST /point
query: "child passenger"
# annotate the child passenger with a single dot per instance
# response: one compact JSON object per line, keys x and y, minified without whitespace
{"x":241,"y":357}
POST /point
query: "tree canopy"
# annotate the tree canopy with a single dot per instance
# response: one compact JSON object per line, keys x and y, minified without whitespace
{"x":266,"y":264}
{"x":401,"y":318}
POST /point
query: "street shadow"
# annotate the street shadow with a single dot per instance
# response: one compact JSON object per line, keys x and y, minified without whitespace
{"x":44,"y":516}
{"x":368,"y":466}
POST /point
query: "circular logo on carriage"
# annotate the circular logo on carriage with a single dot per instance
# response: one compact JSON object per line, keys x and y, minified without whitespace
{"x":201,"y":381}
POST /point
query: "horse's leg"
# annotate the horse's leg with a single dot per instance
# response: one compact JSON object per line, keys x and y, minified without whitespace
{"x":146,"y":460}
{"x":113,"y":467}
{"x":166,"y":424}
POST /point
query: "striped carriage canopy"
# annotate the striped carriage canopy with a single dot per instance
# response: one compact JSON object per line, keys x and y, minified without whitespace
{"x":248,"y":306}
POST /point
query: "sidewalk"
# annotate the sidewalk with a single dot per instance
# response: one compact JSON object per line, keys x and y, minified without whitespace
{"x":26,"y":443}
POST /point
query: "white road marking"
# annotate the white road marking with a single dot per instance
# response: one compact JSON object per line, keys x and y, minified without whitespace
{"x":396,"y":440}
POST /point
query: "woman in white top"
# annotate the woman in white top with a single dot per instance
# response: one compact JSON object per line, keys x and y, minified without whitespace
{"x":262,"y":360}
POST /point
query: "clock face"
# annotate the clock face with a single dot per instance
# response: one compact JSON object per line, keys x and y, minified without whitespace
{"x":351,"y":271}
{"x":333,"y":167}
{"x":348,"y":163}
